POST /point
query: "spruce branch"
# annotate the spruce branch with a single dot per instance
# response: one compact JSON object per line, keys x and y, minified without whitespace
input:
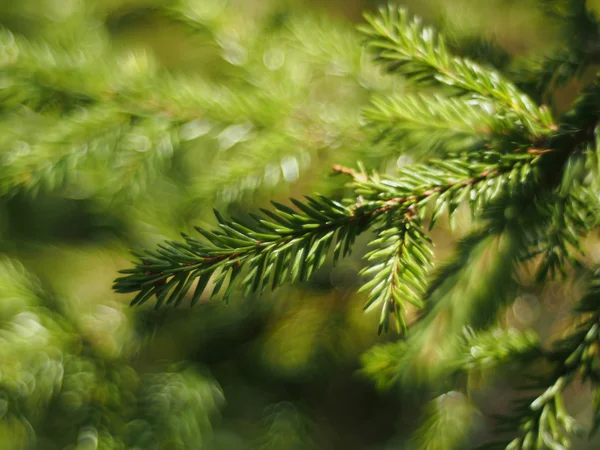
{"x":288,"y":245}
{"x":573,"y":212}
{"x":490,"y":349}
{"x":481,"y":177}
{"x":52,"y":157}
{"x":398,"y":268}
{"x":401,"y":264}
{"x":579,"y":31}
{"x":525,"y":179}
{"x":435,"y":122}
{"x":533,"y":187}
{"x":71,"y":151}
{"x":407,"y":47}
{"x":284,"y":245}
{"x":559,"y":242}
{"x":455,"y":299}
{"x":578,"y":25}
{"x":440,"y":185}
{"x":543,"y":422}
{"x":265,"y":115}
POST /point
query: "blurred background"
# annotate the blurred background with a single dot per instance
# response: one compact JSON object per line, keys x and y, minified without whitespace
{"x":124,"y":123}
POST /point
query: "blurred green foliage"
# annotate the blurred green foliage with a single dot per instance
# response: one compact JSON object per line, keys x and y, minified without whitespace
{"x":124,"y":122}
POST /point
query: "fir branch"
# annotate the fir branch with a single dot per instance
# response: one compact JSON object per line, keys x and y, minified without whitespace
{"x":398,"y":268}
{"x":543,"y":422}
{"x":406,"y":264}
{"x":54,"y":156}
{"x":578,"y":24}
{"x":277,"y":124}
{"x":490,"y":349}
{"x":455,"y":299}
{"x":71,"y":152}
{"x":267,"y":247}
{"x":579,"y":31}
{"x":435,"y":122}
{"x":440,"y":185}
{"x":407,"y":47}
{"x":559,"y":242}
{"x":286,"y":245}
{"x":573,"y":211}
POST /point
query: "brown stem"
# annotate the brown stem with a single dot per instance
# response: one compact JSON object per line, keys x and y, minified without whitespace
{"x":337,"y":168}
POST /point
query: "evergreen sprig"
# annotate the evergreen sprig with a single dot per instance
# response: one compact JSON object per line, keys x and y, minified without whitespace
{"x":559,"y":242}
{"x":151,"y":116}
{"x":288,"y":245}
{"x":489,"y":349}
{"x":85,"y":121}
{"x":441,"y":185}
{"x":398,"y":267}
{"x":543,"y":421}
{"x":578,"y":25}
{"x":532,"y":187}
{"x":407,"y":47}
{"x":579,"y":29}
{"x":284,"y":245}
{"x":434,"y":122}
